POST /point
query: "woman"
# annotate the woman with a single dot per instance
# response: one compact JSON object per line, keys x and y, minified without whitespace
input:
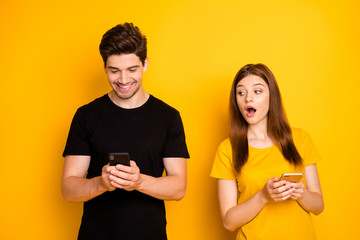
{"x":249,"y":163}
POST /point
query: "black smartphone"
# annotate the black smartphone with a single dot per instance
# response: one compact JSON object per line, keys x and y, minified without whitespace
{"x":119,"y":158}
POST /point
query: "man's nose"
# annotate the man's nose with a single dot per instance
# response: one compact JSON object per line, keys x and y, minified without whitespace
{"x":122,"y":78}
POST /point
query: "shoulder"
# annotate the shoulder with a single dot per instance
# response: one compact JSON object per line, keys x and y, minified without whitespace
{"x":98,"y":103}
{"x":162,"y":110}
{"x":161,"y":105}
{"x":305,"y":146}
{"x":300,"y":135}
{"x":222,"y":166}
{"x":224,"y":149}
{"x":96,"y":107}
{"x":92,"y":111}
{"x":225,"y":144}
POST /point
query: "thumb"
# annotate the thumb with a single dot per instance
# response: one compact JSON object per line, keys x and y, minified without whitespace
{"x":132,"y":163}
{"x":275,"y":179}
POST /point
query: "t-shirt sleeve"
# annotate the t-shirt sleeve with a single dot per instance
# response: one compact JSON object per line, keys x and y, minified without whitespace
{"x":306,"y":147}
{"x":175,"y":145}
{"x":222,"y":165}
{"x":77,"y":142}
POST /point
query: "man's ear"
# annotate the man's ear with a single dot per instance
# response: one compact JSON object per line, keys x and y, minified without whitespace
{"x":146,"y":64}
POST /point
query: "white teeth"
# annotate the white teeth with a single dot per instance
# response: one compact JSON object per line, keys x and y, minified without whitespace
{"x":125,"y":87}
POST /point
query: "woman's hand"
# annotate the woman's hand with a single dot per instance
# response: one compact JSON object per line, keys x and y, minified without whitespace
{"x":310,"y":198}
{"x":299,"y":190}
{"x":276,"y":191}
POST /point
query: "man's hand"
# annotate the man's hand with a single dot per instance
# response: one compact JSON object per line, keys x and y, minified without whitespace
{"x":125,"y":177}
{"x":169,"y":187}
{"x":105,"y":178}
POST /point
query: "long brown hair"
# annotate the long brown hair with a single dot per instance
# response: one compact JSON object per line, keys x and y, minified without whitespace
{"x":277,"y":124}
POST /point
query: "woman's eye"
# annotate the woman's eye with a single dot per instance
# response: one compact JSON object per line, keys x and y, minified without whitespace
{"x":241,"y":93}
{"x":257,"y":91}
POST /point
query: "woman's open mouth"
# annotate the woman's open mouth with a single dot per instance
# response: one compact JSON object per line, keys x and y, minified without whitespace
{"x":250,"y":111}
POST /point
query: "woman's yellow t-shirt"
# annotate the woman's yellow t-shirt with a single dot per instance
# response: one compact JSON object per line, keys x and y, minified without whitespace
{"x":286,"y":219}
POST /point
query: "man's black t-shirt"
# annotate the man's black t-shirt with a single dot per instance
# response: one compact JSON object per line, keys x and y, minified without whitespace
{"x":148,"y":133}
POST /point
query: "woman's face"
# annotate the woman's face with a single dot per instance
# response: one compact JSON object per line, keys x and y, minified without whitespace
{"x":253,"y":97}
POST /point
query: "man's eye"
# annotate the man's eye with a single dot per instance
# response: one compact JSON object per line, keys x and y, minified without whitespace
{"x":114,"y":71}
{"x":132,"y":70}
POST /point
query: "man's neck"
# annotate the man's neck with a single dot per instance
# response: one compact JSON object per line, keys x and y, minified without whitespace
{"x":134,"y":102}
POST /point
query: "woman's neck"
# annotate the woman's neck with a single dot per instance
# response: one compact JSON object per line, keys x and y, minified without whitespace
{"x":258,"y":136}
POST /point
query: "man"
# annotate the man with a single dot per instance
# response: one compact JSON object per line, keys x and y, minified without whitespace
{"x":125,"y":202}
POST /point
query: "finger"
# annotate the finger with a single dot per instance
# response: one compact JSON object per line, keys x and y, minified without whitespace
{"x":106,"y":182}
{"x":282,"y":198}
{"x":284,"y":195}
{"x":108,"y":168}
{"x":275,"y":179}
{"x":299,"y":191}
{"x":278,"y":184}
{"x":295,"y":185}
{"x":122,"y":167}
{"x":299,"y":185}
{"x":295,"y":196}
{"x":121,"y":174}
{"x":119,"y":182}
{"x":282,"y":188}
{"x":122,"y":184}
{"x":133,"y":168}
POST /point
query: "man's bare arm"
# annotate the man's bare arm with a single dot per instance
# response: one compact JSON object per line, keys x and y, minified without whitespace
{"x":75,"y":187}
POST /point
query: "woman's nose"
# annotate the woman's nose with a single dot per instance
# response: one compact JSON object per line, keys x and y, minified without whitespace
{"x":249,"y":98}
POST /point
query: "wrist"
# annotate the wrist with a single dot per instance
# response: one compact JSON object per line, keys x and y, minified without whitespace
{"x":263,"y":196}
{"x":140,"y":183}
{"x":301,"y":196}
{"x":101,"y":185}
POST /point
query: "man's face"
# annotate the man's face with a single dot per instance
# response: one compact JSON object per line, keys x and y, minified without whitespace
{"x":124,"y":73}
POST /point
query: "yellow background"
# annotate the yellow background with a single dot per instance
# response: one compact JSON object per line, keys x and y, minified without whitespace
{"x":50,"y":65}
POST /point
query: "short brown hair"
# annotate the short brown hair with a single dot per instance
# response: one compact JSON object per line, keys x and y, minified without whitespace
{"x":123,"y":39}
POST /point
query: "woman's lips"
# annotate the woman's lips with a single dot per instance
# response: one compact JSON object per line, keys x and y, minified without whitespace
{"x":250,"y":111}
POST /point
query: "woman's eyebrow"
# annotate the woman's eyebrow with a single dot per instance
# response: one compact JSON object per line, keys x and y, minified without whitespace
{"x":258,"y":84}
{"x":255,"y":84}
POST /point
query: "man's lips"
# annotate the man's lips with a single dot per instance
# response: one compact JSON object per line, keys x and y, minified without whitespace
{"x":124,"y":87}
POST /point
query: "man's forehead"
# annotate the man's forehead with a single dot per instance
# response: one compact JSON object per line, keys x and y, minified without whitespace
{"x":123,"y":61}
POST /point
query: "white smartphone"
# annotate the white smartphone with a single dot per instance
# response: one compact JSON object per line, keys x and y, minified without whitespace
{"x":291,"y":177}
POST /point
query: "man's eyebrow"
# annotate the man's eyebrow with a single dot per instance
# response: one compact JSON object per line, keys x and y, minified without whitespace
{"x":112,"y":67}
{"x":135,"y":66}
